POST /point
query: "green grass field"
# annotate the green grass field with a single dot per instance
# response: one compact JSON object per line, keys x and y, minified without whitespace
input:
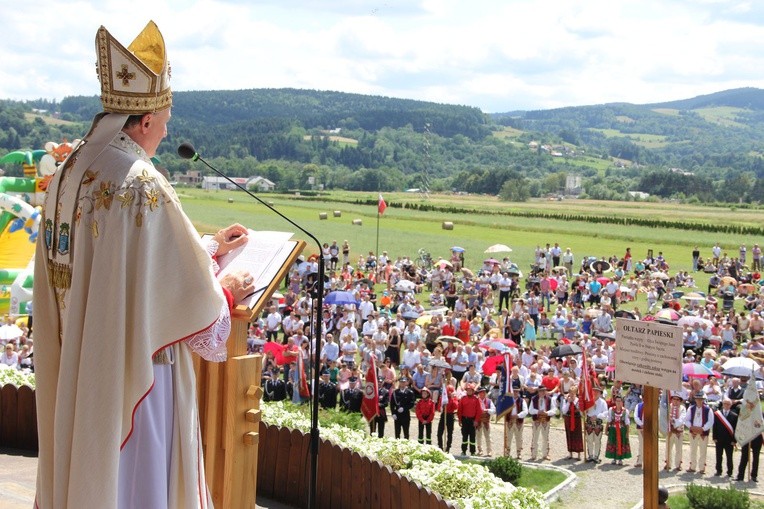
{"x":402,"y":231}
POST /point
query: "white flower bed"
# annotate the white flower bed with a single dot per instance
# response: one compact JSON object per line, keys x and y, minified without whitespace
{"x":16,"y":377}
{"x":467,"y":485}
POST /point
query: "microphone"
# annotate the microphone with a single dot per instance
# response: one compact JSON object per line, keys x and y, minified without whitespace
{"x":187,"y":151}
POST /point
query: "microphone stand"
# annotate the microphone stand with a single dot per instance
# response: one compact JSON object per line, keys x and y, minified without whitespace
{"x":187,"y":151}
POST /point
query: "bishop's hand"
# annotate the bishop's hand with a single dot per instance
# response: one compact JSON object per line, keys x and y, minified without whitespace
{"x":240,"y":284}
{"x":230,"y":238}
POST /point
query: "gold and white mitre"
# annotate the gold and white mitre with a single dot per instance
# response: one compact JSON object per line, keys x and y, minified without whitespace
{"x":136,"y":79}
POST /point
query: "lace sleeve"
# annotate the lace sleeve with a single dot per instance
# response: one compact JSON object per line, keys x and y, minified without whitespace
{"x":212,"y":248}
{"x":210,"y":343}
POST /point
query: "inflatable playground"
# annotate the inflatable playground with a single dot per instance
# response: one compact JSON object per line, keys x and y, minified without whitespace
{"x":21,"y":200}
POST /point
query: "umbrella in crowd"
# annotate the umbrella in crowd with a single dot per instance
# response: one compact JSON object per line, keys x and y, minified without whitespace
{"x":622,"y":313}
{"x":467,"y":272}
{"x":565,"y":350}
{"x":10,"y":331}
{"x":341,"y":298}
{"x":498,"y":248}
{"x":560,"y":268}
{"x":445,"y":263}
{"x":501,"y":344}
{"x":368,"y":282}
{"x":450,"y":339}
{"x":439,"y":363}
{"x":600,"y":266}
{"x":728,"y":280}
{"x":404,"y":285}
{"x":492,"y":261}
{"x":694,"y":296}
{"x":739,"y":366}
{"x":457,"y":249}
{"x":692,"y":320}
{"x":666,"y":314}
{"x":423,"y":320}
{"x":659,"y":275}
{"x":514,"y":271}
{"x":696,"y":370}
{"x":603,"y":280}
{"x":410,"y":315}
{"x":605,"y":335}
{"x":746,"y":288}
{"x":593,"y":312}
{"x":491,"y":363}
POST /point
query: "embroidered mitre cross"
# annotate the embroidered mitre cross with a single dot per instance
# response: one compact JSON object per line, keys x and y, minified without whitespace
{"x":125,"y":76}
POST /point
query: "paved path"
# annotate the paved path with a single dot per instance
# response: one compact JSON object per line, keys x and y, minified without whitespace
{"x":614,"y":487}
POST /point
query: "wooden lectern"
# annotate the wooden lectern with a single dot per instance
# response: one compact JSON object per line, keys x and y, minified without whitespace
{"x":229,"y":408}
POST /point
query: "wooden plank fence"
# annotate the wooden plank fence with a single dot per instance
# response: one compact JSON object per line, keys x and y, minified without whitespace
{"x":18,"y":418}
{"x":346,"y":480}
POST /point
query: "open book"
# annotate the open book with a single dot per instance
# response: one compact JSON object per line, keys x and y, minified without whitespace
{"x":267,"y":256}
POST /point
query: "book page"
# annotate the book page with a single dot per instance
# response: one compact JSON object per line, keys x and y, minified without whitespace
{"x":262,"y":256}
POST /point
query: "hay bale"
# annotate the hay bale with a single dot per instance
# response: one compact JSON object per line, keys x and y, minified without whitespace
{"x":270,"y":203}
{"x":230,"y":200}
{"x":337,"y":213}
{"x":357,"y":222}
{"x":323,"y":215}
{"x":447,"y":225}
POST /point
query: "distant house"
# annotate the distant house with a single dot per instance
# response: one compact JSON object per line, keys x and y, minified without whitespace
{"x":221,"y":184}
{"x":261,"y":183}
{"x":192,"y":178}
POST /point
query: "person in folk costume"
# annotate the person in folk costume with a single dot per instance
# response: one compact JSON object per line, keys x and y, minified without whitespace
{"x":574,"y":435}
{"x":447,"y":413}
{"x":401,"y":403}
{"x":542,"y":407}
{"x":425,"y":414}
{"x":725,"y":420}
{"x":595,"y":418}
{"x":639,"y":413}
{"x":618,"y":448}
{"x":676,"y":419}
{"x":483,"y":424}
{"x":513,"y":423}
{"x":377,"y":423}
{"x":468,"y":411}
{"x":699,"y":419}
{"x":327,"y":391}
{"x":117,"y":260}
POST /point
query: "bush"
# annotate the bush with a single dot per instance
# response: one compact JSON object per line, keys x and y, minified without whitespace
{"x":506,"y":469}
{"x":708,"y":497}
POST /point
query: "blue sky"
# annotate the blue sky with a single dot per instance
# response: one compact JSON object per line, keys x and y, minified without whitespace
{"x":497,"y":55}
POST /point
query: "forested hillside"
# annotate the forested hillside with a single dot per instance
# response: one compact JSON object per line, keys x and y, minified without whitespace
{"x":707,"y":148}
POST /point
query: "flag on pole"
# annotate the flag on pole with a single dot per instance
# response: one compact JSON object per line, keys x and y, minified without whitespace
{"x":586,"y":394}
{"x":304,"y":389}
{"x":505,"y":400}
{"x":750,"y":421}
{"x":443,"y":399}
{"x":381,"y":206}
{"x":370,"y":403}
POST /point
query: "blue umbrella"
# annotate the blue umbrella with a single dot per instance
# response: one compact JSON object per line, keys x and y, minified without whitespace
{"x":341,"y":298}
{"x":457,"y":249}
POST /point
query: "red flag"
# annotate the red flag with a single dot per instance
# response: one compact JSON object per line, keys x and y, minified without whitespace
{"x":381,"y":206}
{"x":586,"y":391}
{"x":304,"y":389}
{"x":370,"y":403}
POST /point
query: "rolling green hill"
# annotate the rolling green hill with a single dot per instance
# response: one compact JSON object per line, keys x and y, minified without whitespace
{"x":708,"y":148}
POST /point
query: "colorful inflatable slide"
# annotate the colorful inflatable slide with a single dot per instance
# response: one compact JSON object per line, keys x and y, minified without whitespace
{"x":20,"y":202}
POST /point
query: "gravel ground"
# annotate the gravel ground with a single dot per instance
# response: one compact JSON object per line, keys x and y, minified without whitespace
{"x":609,"y":486}
{"x":612,"y":486}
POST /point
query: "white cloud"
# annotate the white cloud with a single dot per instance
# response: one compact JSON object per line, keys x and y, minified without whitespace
{"x":495,"y":54}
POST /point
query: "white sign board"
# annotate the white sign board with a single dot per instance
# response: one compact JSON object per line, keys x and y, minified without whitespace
{"x":648,"y":353}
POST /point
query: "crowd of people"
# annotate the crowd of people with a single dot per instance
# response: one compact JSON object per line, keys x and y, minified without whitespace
{"x":18,"y":348}
{"x":432,"y":360}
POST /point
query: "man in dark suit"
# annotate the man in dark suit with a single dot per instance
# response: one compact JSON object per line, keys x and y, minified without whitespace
{"x":725,"y":421}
